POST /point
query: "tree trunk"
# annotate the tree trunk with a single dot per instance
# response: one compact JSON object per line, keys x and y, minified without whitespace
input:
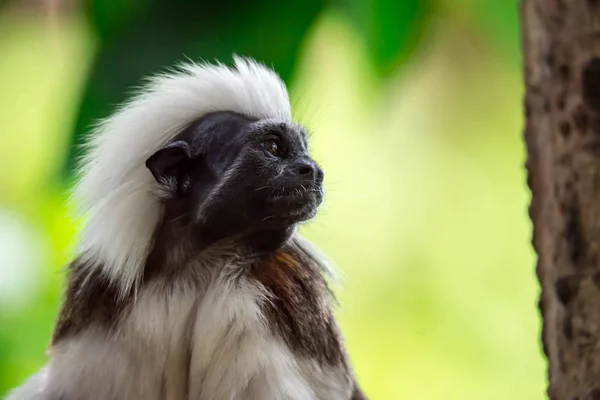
{"x":561,"y":44}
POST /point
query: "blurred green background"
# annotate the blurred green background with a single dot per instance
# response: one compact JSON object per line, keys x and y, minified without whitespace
{"x":416,"y":116}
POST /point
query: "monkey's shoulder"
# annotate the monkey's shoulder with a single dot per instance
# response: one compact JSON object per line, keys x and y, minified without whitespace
{"x":224,"y":319}
{"x":300,"y":304}
{"x":299,"y":307}
{"x":89,"y":300}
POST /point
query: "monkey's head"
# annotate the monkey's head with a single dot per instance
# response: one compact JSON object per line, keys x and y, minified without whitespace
{"x":229,"y":175}
{"x":202,"y":153}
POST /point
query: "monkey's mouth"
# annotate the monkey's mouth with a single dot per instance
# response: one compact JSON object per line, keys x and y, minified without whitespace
{"x":298,"y":204}
{"x":297,"y":195}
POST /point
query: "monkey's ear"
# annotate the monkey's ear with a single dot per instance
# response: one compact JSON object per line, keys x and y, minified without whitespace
{"x":170,"y":161}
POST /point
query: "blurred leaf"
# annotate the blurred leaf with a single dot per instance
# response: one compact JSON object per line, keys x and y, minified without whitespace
{"x":390,"y":28}
{"x":501,"y":20}
{"x":138,"y":38}
{"x":496,"y":20}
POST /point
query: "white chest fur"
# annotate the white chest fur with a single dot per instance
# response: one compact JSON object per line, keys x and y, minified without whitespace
{"x":180,"y":344}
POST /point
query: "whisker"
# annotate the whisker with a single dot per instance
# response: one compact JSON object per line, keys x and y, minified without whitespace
{"x":181,"y":216}
{"x":267,"y":217}
{"x":264,"y":187}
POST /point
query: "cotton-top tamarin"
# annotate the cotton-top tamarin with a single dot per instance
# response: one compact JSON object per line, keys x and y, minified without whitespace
{"x":191,"y":281}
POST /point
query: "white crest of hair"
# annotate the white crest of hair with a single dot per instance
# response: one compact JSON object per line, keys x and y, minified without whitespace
{"x":113,"y":195}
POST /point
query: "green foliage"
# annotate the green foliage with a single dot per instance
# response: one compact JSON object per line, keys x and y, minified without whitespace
{"x":497,"y":20}
{"x":389,"y":29}
{"x":501,"y":20}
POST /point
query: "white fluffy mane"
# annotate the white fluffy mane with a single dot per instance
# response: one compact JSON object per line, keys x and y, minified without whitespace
{"x":114,"y":193}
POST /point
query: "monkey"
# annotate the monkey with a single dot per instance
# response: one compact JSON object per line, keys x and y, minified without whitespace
{"x":191,"y":280}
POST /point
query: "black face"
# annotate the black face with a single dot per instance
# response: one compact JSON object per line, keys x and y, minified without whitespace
{"x":229,"y":175}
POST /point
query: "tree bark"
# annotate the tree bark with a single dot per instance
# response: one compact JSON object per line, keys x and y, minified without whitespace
{"x":561,"y":44}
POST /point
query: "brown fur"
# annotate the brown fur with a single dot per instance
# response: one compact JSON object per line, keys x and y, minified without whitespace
{"x":358,"y":394}
{"x":89,"y":301}
{"x":299,"y":308}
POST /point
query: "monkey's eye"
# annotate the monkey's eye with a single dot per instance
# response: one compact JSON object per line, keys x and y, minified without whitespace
{"x":274,"y":147}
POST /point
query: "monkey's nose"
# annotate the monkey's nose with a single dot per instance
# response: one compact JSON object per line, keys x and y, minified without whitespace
{"x":305,"y":169}
{"x":309,"y":171}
